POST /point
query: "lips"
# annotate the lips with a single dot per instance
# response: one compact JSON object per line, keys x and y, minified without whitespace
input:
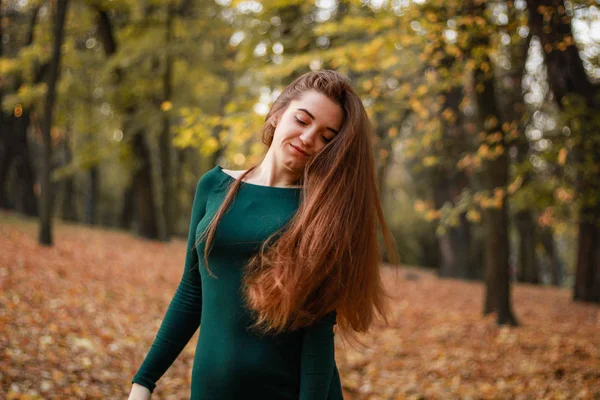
{"x":299,"y":150}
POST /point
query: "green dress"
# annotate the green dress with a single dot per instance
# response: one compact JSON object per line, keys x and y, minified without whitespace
{"x":231,"y":361}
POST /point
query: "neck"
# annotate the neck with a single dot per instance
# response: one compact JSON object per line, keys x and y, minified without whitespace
{"x":271,"y":173}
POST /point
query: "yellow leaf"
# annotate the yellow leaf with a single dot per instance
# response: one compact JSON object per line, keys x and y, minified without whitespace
{"x":420,"y":206}
{"x":230,"y":108}
{"x":430,"y":161}
{"x":498,"y":151}
{"x":473,"y":216}
{"x":515,"y":185}
{"x":483,"y":150}
{"x":562,"y":156}
{"x":421,"y":90}
{"x":432,"y":215}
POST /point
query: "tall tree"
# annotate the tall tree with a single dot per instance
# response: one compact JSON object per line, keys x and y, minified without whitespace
{"x":495,"y":166}
{"x":514,"y":114}
{"x":450,"y":181}
{"x":139,"y":199}
{"x":46,"y":198}
{"x":14,"y":145}
{"x":577,"y":98}
{"x":165,"y":136}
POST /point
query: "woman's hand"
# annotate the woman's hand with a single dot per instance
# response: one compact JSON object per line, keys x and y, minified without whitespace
{"x":139,"y":392}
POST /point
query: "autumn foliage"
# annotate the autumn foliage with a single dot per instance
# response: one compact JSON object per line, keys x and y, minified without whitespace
{"x":78,"y":318}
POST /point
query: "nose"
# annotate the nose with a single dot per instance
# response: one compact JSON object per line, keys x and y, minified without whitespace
{"x":308,"y":137}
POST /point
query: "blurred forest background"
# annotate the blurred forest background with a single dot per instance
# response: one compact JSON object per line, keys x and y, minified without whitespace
{"x":486,"y":117}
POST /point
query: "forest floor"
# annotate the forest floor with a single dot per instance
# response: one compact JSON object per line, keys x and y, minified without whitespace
{"x":77,"y":319}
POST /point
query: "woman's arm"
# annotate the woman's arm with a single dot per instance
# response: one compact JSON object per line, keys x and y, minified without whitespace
{"x":139,"y":392}
{"x":317,"y":361}
{"x":183,"y":315}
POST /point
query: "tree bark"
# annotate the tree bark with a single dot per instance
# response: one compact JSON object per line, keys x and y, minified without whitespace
{"x":14,"y":146}
{"x":4,"y":152}
{"x":513,"y":111}
{"x":165,"y":148}
{"x":177,"y":185}
{"x":14,"y":152}
{"x":46,"y":198}
{"x":91,"y":195}
{"x":495,"y":171}
{"x":144,"y":189}
{"x":527,"y":267}
{"x":127,"y":209}
{"x":456,"y":259}
{"x":69,"y":209}
{"x":554,"y":263}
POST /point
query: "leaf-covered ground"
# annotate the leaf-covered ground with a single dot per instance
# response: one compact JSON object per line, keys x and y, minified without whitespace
{"x":78,"y":318}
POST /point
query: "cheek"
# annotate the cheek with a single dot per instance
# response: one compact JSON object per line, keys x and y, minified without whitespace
{"x":282,"y":134}
{"x":318,"y":148}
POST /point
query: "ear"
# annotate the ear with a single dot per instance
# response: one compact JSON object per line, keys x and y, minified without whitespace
{"x":274,"y":123}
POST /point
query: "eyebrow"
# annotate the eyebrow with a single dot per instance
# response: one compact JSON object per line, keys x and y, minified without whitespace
{"x":313,"y":117}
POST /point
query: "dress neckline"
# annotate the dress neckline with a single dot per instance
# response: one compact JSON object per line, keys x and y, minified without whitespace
{"x":262,"y":188}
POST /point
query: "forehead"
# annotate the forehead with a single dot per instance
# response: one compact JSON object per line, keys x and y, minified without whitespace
{"x":322,"y":107}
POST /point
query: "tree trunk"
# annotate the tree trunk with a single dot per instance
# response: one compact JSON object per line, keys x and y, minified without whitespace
{"x":127,"y":209}
{"x":14,"y":146}
{"x":91,"y":195}
{"x":555,"y":265}
{"x":4,"y":150}
{"x":177,"y":185}
{"x":143,"y":187}
{"x":455,"y":244}
{"x":138,"y":198}
{"x":69,"y":209}
{"x":497,"y":298}
{"x":5,"y":161}
{"x":513,"y":111}
{"x":26,"y":199}
{"x":567,"y":78}
{"x":14,"y":152}
{"x":527,"y":267}
{"x":46,"y":198}
{"x":165,"y":134}
{"x":587,"y":275}
{"x":495,"y":171}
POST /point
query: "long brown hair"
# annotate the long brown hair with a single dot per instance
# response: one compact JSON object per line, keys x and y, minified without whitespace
{"x":327,"y":256}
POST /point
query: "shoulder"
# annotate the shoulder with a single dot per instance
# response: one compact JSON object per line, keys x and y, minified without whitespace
{"x":210,"y":180}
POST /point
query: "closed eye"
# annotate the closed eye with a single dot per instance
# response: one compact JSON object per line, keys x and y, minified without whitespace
{"x":325,"y":138}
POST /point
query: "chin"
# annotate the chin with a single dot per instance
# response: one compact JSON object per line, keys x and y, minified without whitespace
{"x":294,"y":165}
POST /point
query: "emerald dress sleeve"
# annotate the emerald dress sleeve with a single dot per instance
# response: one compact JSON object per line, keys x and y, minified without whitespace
{"x":317,"y":360}
{"x":183,"y":315}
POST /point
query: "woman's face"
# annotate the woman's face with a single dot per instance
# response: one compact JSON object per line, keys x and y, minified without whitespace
{"x":305,"y":127}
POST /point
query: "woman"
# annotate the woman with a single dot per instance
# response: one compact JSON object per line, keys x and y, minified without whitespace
{"x":289,"y":249}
